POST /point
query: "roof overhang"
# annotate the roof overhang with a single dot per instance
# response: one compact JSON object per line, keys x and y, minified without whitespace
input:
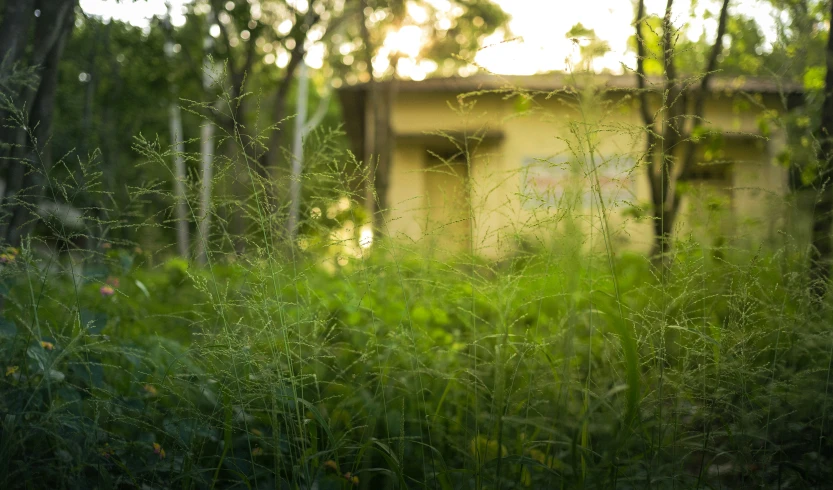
{"x":572,"y":83}
{"x":354,"y":97}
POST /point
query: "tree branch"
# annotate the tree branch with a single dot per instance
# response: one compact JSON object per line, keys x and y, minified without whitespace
{"x":641,"y":78}
{"x":270,"y":157}
{"x":711,"y":65}
{"x":700,"y":96}
{"x":674,"y":104}
{"x":318,"y":116}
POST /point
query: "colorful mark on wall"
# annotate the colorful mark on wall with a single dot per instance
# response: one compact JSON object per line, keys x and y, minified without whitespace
{"x":559,"y":182}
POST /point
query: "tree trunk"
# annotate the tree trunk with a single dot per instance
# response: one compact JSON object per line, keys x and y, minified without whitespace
{"x":822,"y":246}
{"x":27,"y":178}
{"x":665,"y":201}
{"x":298,"y":153}
{"x":175,"y":121}
{"x":384,"y":149}
{"x":664,"y":163}
{"x":180,"y":197}
{"x":207,"y":161}
{"x":14,"y":33}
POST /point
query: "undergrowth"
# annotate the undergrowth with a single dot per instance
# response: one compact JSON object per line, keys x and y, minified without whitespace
{"x":329,"y":364}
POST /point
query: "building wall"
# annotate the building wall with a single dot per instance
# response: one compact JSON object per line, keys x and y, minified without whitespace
{"x":537,"y":178}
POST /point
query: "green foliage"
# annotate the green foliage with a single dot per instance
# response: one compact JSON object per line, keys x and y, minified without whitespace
{"x":800,"y":56}
{"x":452,"y":34}
{"x":396,"y":371}
{"x":745,"y":51}
{"x":590,"y":47}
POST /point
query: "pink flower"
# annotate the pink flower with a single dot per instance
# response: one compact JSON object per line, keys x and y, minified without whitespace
{"x":113,"y":281}
{"x":106,"y":290}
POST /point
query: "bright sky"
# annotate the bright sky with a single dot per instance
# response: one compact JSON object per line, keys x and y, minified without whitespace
{"x":540,"y":26}
{"x":135,"y":12}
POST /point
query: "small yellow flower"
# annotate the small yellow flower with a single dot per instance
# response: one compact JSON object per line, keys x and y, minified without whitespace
{"x":351,"y":478}
{"x":331,"y":465}
{"x":257,"y":451}
{"x":11,"y":370}
{"x":157,"y":448}
{"x":257,"y":433}
{"x":47,"y":345}
{"x":151,"y":390}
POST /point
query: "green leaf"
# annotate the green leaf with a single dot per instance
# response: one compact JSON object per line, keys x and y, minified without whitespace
{"x":142,"y":288}
{"x":814,"y":78}
{"x":56,"y":376}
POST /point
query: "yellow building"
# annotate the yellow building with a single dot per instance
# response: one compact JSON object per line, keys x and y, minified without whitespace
{"x":478,"y":163}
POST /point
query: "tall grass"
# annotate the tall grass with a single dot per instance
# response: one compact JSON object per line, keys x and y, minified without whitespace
{"x":325,"y":364}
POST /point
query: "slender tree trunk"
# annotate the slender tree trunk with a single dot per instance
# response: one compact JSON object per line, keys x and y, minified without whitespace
{"x":180,"y":197}
{"x":206,"y":157}
{"x":207,"y":162}
{"x":822,"y":246}
{"x":298,"y":152}
{"x":303,"y":128}
{"x":180,"y":176}
{"x":181,"y":203}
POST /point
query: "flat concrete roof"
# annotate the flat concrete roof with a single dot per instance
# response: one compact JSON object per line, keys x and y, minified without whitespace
{"x":353,"y":97}
{"x":563,"y":82}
